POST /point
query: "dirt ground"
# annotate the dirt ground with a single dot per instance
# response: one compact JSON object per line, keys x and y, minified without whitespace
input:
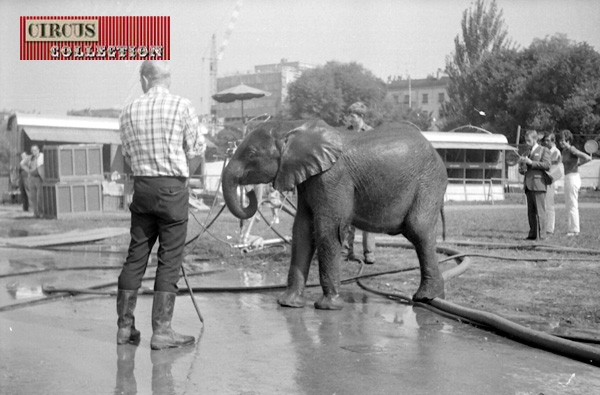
{"x":551,"y":286}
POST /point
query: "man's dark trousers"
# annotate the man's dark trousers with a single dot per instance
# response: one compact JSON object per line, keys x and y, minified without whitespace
{"x":536,"y":213}
{"x":159,"y":210}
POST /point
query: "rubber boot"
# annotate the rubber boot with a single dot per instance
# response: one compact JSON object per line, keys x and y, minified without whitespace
{"x":163,"y":335}
{"x":127,"y":333}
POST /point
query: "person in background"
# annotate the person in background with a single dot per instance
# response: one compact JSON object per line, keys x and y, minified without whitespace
{"x":23,"y":180}
{"x":357,"y":112}
{"x":533,"y":165}
{"x":35,"y":172}
{"x":275,"y":203}
{"x":571,"y":159}
{"x":162,"y":142}
{"x":548,"y":141}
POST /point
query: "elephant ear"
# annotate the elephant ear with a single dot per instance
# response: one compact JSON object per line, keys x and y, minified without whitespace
{"x":307,"y":151}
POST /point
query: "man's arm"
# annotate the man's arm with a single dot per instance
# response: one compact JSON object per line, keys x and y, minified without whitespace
{"x":544,"y":162}
{"x":40,"y":168}
{"x":194,"y":142}
{"x":24,"y":164}
{"x":583,"y":157}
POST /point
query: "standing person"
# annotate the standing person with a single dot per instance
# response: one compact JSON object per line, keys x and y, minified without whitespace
{"x":275,"y":203}
{"x":533,"y":165}
{"x":548,"y":141}
{"x":571,"y":158}
{"x":357,"y":112}
{"x":35,"y":172}
{"x":161,"y":137}
{"x":23,"y":180}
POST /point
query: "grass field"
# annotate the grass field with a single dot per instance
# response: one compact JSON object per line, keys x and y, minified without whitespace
{"x":559,"y":291}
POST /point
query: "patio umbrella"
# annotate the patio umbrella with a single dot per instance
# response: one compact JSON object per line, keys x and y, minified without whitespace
{"x":239,"y":92}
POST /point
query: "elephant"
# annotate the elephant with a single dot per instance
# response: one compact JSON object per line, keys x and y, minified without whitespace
{"x":388,"y":180}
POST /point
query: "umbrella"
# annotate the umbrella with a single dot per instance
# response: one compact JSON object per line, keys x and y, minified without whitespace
{"x":240,"y":92}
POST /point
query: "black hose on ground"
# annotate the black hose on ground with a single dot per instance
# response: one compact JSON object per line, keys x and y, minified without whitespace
{"x":518,"y":332}
{"x":60,"y":293}
{"x":552,"y":343}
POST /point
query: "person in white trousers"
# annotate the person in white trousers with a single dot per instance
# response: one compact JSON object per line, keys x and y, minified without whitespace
{"x":556,"y":172}
{"x":571,"y":159}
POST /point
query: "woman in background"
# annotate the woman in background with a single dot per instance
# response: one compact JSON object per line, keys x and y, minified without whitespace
{"x":571,"y":159}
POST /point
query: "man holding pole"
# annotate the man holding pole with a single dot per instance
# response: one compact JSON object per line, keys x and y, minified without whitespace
{"x":161,"y":140}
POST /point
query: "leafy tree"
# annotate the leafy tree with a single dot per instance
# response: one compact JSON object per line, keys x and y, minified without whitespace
{"x":483,"y":32}
{"x":562,"y":89}
{"x":326,"y":92}
{"x":390,"y":112}
{"x":492,"y":84}
{"x":551,"y":85}
{"x":582,"y":111}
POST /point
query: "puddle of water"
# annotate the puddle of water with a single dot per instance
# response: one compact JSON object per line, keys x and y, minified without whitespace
{"x":18,"y":233}
{"x":17,"y":291}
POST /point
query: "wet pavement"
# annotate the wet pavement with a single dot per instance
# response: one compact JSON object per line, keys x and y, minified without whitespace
{"x":250,"y":345}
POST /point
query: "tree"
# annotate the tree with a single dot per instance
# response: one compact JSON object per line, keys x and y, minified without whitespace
{"x":483,"y":32}
{"x":326,"y":92}
{"x":562,"y":89}
{"x":390,"y":112}
{"x":492,"y":84}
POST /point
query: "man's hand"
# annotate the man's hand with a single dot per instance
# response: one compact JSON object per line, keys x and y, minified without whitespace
{"x":524,"y":160}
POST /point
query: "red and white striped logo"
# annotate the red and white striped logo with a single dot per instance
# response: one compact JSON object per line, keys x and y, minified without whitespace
{"x":95,"y":37}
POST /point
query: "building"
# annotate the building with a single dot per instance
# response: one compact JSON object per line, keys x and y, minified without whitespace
{"x":273,"y":78}
{"x":421,"y":94}
{"x":24,"y":130}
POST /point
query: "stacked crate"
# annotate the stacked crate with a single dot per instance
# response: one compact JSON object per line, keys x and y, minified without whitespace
{"x":72,"y":180}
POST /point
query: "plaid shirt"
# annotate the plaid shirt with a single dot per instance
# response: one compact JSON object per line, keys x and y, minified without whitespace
{"x":160,"y":132}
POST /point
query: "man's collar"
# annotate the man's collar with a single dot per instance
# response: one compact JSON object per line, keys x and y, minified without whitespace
{"x":157,"y":89}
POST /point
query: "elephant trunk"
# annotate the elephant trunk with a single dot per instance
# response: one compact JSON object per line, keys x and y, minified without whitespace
{"x":230,"y":185}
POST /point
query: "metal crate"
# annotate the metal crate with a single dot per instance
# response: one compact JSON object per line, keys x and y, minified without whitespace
{"x":73,"y":198}
{"x":74,"y":162}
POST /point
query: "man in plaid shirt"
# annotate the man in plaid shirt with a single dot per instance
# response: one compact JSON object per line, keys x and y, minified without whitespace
{"x":161,"y":137}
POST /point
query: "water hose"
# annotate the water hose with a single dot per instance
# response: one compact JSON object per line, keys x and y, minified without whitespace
{"x":552,"y":343}
{"x":555,"y":344}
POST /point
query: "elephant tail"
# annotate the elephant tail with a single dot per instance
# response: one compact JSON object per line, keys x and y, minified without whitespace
{"x":443,"y":223}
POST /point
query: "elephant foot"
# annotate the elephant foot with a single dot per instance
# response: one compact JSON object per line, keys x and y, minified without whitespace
{"x":292,"y":299}
{"x":329,"y":303}
{"x":429,"y":290}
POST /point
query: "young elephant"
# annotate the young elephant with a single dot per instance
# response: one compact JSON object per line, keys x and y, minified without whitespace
{"x":390,"y":180}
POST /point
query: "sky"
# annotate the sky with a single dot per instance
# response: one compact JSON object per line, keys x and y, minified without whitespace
{"x":387,"y":37}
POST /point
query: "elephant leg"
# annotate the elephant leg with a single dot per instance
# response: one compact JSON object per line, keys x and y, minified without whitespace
{"x":432,"y":282}
{"x":303,"y":249}
{"x":329,"y":253}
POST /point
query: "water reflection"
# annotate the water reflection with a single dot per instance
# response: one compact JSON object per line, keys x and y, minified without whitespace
{"x":163,"y":382}
{"x":125,"y":382}
{"x":322,"y":341}
{"x":17,"y":232}
{"x":18,"y":291}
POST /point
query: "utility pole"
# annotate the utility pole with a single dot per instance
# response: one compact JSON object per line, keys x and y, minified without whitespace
{"x":214,"y":62}
{"x":409,"y":94}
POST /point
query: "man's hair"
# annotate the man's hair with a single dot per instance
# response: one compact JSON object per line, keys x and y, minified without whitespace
{"x":549,"y":136}
{"x":531,"y":132}
{"x":566,"y":135}
{"x":358,"y":108}
{"x":155,"y":70}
